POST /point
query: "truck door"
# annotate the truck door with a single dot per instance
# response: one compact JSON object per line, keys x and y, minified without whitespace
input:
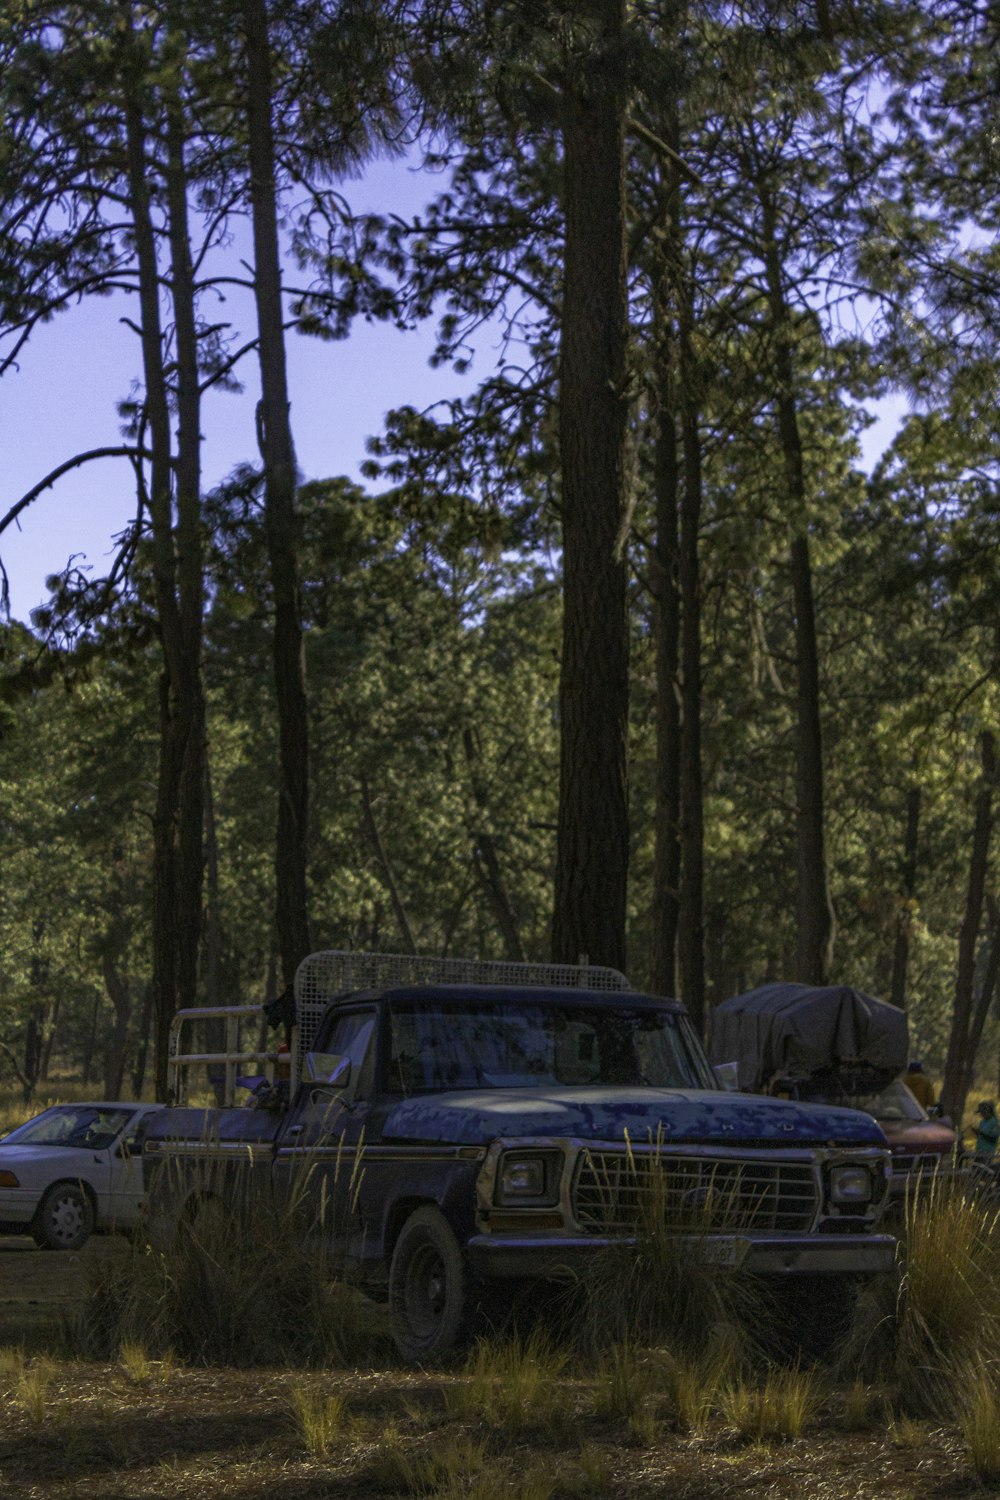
{"x":318,"y":1162}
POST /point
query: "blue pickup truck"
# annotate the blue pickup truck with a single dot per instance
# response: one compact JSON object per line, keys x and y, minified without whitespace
{"x":449,"y":1134}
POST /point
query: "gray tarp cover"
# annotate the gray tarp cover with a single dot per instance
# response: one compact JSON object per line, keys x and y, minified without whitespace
{"x":798,"y":1029}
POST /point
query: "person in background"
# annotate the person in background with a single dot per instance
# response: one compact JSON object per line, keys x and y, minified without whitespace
{"x":919,"y":1085}
{"x":987,"y":1131}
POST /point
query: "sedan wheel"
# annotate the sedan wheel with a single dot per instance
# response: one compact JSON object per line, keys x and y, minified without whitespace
{"x":65,"y":1218}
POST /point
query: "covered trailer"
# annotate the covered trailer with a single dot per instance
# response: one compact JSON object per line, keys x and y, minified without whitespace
{"x":828,"y":1040}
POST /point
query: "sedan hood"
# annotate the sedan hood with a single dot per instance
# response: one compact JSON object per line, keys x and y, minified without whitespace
{"x":608,"y":1114}
{"x":924,"y":1136}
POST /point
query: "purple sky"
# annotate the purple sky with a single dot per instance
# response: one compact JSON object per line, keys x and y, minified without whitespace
{"x":76,"y":368}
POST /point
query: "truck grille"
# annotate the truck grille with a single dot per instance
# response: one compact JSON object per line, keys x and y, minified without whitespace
{"x":622,"y":1192}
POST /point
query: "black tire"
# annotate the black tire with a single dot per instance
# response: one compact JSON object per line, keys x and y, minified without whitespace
{"x":430,"y":1298}
{"x":65,"y":1218}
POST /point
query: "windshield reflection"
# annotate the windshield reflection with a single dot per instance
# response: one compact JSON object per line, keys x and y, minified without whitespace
{"x":451,"y":1045}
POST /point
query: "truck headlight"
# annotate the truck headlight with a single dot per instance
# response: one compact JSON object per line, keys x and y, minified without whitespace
{"x":850,"y":1184}
{"x":529,"y":1179}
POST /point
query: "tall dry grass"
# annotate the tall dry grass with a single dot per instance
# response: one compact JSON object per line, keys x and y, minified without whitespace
{"x":232,"y":1279}
{"x":923,"y":1329}
{"x":672,"y":1289}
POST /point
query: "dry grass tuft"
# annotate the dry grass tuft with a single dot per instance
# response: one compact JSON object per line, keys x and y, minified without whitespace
{"x":949,"y":1303}
{"x":415,"y":1468}
{"x":776,"y":1410}
{"x":319,"y":1419}
{"x":671,"y":1288}
{"x":235,"y":1282}
{"x":691,"y":1386}
{"x":515,"y":1385}
{"x":981,"y":1424}
{"x":33,"y":1387}
{"x":864,"y":1408}
{"x":135,"y":1362}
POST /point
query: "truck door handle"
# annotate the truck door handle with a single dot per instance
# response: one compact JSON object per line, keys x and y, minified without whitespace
{"x":294,"y":1130}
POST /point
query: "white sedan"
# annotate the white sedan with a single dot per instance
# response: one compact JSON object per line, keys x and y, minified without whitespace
{"x":73,"y":1169}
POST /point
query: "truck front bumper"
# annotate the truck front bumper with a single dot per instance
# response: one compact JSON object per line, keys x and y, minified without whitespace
{"x":553,"y":1256}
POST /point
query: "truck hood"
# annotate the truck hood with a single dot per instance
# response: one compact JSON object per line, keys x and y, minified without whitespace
{"x":607,"y":1114}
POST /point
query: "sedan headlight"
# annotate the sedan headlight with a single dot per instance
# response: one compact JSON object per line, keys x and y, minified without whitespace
{"x":529,"y":1179}
{"x":7,"y":1179}
{"x":850,"y":1184}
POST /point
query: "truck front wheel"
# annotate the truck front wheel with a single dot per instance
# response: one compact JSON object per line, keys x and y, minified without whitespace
{"x":429,"y":1293}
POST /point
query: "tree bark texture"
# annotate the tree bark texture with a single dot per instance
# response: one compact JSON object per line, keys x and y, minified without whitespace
{"x":592,"y":837}
{"x":692,"y":823}
{"x":190,"y":568}
{"x":983,"y":1004}
{"x":814,"y":909}
{"x":159,"y":502}
{"x":958,"y":1063}
{"x":667,"y":625}
{"x":901,"y":946}
{"x":280,"y":520}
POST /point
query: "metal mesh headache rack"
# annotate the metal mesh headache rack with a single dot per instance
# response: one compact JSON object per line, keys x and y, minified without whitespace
{"x":323,"y":976}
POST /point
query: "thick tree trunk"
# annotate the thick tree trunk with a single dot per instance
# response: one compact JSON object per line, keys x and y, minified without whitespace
{"x":958,"y":1064}
{"x":280,"y":521}
{"x":692,"y":928}
{"x":667,"y":625}
{"x":814,"y":910}
{"x":904,"y":919}
{"x":592,"y":838}
{"x":983,"y":1004}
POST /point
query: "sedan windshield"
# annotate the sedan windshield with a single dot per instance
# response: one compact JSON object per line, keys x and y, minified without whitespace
{"x":80,"y":1125}
{"x":452,"y":1045}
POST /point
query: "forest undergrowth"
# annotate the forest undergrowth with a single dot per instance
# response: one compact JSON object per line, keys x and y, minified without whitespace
{"x":700,"y":1386}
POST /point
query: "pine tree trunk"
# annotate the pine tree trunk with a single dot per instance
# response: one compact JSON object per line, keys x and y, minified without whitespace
{"x":692,"y":926}
{"x":592,"y":838}
{"x":159,"y":501}
{"x":814,"y":910}
{"x":958,"y":1064}
{"x":190,"y":570}
{"x":667,"y":625}
{"x":280,"y":521}
{"x":901,"y":946}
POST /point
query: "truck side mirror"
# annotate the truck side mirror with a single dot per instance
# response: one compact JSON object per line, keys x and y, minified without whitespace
{"x":329,"y":1068}
{"x":727,"y":1076}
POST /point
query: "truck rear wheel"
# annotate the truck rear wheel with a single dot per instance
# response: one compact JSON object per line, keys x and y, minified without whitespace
{"x":429,"y":1291}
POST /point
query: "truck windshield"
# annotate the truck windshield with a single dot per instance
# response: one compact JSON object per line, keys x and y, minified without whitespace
{"x":451,"y":1045}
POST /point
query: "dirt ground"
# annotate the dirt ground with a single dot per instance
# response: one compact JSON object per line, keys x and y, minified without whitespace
{"x":72,"y":1430}
{"x":39,"y":1289}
